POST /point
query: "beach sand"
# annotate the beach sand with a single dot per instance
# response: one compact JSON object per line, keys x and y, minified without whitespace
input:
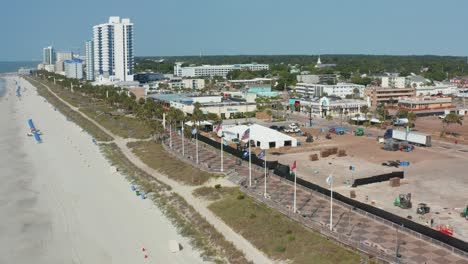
{"x":60,"y":202}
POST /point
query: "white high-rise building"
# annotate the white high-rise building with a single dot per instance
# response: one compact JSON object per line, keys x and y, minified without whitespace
{"x":74,"y":68}
{"x":48,"y":55}
{"x":89,"y":46}
{"x":60,"y":58}
{"x":113,"y":49}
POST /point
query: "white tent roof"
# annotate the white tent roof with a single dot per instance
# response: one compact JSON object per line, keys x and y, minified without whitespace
{"x":257,"y":133}
{"x":200,"y":123}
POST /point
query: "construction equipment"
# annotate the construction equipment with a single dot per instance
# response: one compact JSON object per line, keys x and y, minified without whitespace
{"x":359,"y":132}
{"x":403,"y":201}
{"x":464,"y":213}
{"x":310,"y":138}
{"x":328,"y":136}
{"x":423,"y":209}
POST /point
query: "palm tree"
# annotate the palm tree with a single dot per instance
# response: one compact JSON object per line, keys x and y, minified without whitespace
{"x":357,"y":118}
{"x":450,"y":119}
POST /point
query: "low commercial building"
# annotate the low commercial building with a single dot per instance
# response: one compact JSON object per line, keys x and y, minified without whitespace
{"x":215,"y":70}
{"x":74,"y":68}
{"x":179,"y":83}
{"x":393,"y":81}
{"x":225,"y":109}
{"x":308,"y":78}
{"x":436,"y":89}
{"x":250,"y":83}
{"x":318,"y":90}
{"x":26,"y":71}
{"x":378,"y":95}
{"x":264,"y":137}
{"x":327,"y":106}
{"x":421,"y":103}
{"x":146,"y":77}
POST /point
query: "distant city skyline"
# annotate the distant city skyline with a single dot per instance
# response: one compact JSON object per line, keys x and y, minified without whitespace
{"x":263,"y":27}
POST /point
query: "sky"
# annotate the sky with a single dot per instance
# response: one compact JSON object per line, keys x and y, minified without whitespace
{"x":222,"y":27}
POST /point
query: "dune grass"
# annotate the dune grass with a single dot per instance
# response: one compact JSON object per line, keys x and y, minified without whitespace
{"x":154,"y":155}
{"x":203,"y":236}
{"x":274,"y":233}
{"x":77,"y":118}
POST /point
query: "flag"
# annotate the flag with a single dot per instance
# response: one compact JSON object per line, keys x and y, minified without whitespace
{"x":330,"y":179}
{"x":293,"y":167}
{"x":225,"y":143}
{"x":245,"y":154}
{"x":246,"y":134}
{"x":262,"y":154}
{"x":194,"y":131}
{"x":218,"y":127}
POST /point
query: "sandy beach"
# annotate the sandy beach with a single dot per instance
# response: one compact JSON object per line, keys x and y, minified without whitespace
{"x":59,"y":200}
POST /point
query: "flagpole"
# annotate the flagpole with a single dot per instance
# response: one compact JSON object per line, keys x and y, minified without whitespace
{"x":196,"y":140}
{"x":265,"y":191}
{"x":250,"y":163}
{"x":222,"y":167}
{"x":170,"y":134}
{"x":295,"y":188}
{"x":183,"y":146}
{"x":331,"y":204}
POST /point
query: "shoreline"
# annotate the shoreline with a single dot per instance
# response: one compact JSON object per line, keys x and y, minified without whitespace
{"x":64,"y":203}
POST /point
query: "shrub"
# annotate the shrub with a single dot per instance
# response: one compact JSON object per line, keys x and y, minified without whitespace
{"x":217,"y":186}
{"x":252,"y":216}
{"x":291,"y":238}
{"x":280,"y":248}
{"x":240,"y":196}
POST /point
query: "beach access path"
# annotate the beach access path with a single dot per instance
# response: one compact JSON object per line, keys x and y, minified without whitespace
{"x":251,"y":253}
{"x":60,"y":202}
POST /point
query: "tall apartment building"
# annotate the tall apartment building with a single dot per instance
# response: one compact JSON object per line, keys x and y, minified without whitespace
{"x":60,"y":58}
{"x":113,"y":49}
{"x":48,"y":55}
{"x":74,"y":68}
{"x":215,"y":70}
{"x":89,"y":46}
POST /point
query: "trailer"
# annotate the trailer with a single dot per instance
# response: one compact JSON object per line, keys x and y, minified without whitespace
{"x":412,"y":137}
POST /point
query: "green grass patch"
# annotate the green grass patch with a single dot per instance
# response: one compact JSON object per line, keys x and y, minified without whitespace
{"x":275,"y":234}
{"x":154,"y":155}
{"x":213,"y":194}
{"x":123,"y":126}
{"x":74,"y":116}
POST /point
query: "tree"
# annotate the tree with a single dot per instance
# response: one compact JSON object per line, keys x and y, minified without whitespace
{"x":329,"y":117}
{"x":365,"y":109}
{"x":448,"y":120}
{"x":411,"y":118}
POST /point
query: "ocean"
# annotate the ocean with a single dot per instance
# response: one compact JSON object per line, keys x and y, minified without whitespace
{"x":13,"y":66}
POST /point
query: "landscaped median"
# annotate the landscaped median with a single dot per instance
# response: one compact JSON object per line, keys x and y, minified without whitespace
{"x":155,"y":156}
{"x":272,"y":232}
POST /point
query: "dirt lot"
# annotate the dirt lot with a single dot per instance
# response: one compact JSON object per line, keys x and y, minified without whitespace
{"x":433,"y":125}
{"x":436,"y":176}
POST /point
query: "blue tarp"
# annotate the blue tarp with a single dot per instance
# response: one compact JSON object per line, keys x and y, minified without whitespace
{"x":37,"y":137}
{"x":31,"y":124}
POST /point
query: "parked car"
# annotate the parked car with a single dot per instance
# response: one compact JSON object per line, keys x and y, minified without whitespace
{"x":281,"y":128}
{"x":274,"y":127}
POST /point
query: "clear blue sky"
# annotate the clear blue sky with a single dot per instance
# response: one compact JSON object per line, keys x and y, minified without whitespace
{"x":186,"y":27}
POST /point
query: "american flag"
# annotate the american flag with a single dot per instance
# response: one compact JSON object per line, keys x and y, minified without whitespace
{"x":246,"y":134}
{"x":262,"y":154}
{"x":218,"y":127}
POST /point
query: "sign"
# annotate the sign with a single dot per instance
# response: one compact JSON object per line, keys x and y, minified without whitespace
{"x":404,"y":163}
{"x":232,"y":110}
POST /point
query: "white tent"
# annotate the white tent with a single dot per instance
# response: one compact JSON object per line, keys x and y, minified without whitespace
{"x":264,"y":137}
{"x":199,"y":123}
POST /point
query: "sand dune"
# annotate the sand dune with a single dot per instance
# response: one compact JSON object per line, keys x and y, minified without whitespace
{"x":59,"y":201}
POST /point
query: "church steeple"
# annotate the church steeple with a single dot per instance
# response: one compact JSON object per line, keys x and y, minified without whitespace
{"x":318,"y":60}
